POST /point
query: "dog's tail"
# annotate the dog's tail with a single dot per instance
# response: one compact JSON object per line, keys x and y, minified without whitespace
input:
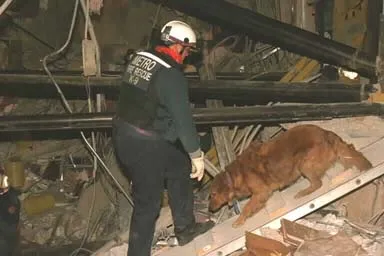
{"x":347,"y":155}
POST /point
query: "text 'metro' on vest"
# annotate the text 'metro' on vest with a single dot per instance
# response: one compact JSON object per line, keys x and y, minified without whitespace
{"x":138,"y":98}
{"x":142,"y":68}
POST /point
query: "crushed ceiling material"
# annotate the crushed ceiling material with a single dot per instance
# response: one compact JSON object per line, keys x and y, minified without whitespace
{"x":54,"y":182}
{"x":95,"y":6}
{"x":310,"y":237}
{"x":50,"y":215}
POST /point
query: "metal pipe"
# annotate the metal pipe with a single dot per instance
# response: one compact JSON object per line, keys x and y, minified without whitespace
{"x":5,"y":5}
{"x":276,"y":33}
{"x":203,"y":117}
{"x":113,"y":75}
{"x":237,"y":92}
{"x":374,"y":9}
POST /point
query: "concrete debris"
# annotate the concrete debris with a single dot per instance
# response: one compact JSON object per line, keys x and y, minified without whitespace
{"x":337,"y":245}
{"x":351,"y":203}
{"x":260,"y":246}
{"x":95,"y":6}
{"x":117,"y":251}
{"x":329,"y":235}
{"x":335,"y":225}
{"x":317,"y":242}
{"x":53,"y":228}
{"x":273,"y":234}
{"x":295,"y":234}
{"x":66,"y":220}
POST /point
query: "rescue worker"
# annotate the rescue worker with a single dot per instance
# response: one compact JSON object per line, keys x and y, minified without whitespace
{"x":153,"y":114}
{"x":9,"y":217}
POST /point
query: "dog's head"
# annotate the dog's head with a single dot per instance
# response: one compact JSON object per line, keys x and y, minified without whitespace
{"x":221,"y":192}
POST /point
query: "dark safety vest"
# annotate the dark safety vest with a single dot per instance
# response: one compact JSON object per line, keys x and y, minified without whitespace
{"x":138,"y":101}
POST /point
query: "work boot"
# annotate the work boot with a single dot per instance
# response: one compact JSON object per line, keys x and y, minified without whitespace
{"x":187,"y":234}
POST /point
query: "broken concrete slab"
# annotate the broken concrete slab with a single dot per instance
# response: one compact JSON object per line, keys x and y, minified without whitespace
{"x":333,"y":224}
{"x":352,"y":203}
{"x":337,"y":245}
{"x":295,"y":234}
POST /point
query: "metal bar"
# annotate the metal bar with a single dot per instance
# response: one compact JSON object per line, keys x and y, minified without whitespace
{"x":112,"y":79}
{"x":380,"y":57}
{"x":283,"y":113}
{"x":265,"y":76}
{"x":371,"y":45}
{"x":203,"y":117}
{"x":264,"y":92}
{"x":276,"y":33}
{"x":37,"y":86}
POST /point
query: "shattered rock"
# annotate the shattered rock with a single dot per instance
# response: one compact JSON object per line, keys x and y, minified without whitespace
{"x":295,"y":234}
{"x":118,"y":251}
{"x":337,"y":245}
{"x":334,"y":225}
{"x":330,"y":223}
{"x":52,"y":228}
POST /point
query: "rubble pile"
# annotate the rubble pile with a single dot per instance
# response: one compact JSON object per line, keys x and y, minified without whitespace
{"x":54,"y":212}
{"x":328,"y":235}
{"x":55,"y":185}
{"x":312,"y":236}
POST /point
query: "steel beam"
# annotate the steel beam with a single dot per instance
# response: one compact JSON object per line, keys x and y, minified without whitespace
{"x":276,"y":33}
{"x":235,"y":91}
{"x":371,"y":45}
{"x":11,"y":75}
{"x":204,"y":117}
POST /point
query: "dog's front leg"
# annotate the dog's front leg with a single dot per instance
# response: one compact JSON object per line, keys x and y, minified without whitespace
{"x":256,"y":203}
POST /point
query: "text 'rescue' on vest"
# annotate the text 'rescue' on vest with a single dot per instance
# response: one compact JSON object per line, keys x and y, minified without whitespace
{"x":138,"y":101}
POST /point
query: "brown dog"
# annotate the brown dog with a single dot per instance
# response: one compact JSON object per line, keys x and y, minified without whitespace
{"x":305,"y":150}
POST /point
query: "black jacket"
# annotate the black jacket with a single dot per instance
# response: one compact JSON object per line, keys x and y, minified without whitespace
{"x":173,"y":117}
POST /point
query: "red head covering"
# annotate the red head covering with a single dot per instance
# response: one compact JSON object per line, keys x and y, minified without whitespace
{"x":170,"y":52}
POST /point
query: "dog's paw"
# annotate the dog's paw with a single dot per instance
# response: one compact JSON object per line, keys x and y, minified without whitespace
{"x":238,"y":223}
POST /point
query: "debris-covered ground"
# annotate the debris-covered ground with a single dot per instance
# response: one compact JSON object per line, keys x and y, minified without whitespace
{"x":319,"y":236}
{"x":316,"y":235}
{"x":62,"y":205}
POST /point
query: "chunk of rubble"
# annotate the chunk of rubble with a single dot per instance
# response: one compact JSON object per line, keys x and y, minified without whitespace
{"x":334,"y":225}
{"x":262,"y":246}
{"x":337,"y":245}
{"x":295,"y":234}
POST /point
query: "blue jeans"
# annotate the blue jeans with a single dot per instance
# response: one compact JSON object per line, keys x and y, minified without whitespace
{"x":150,"y":162}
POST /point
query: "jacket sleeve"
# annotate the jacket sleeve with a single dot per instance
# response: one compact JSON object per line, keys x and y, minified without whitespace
{"x":174,"y":91}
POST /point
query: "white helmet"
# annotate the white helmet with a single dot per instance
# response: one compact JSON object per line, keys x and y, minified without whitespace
{"x":178,"y":32}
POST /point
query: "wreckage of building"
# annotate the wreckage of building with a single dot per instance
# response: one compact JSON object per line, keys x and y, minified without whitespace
{"x":263,"y":67}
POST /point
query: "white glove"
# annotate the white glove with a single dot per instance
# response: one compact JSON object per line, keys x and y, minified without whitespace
{"x":198,"y":167}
